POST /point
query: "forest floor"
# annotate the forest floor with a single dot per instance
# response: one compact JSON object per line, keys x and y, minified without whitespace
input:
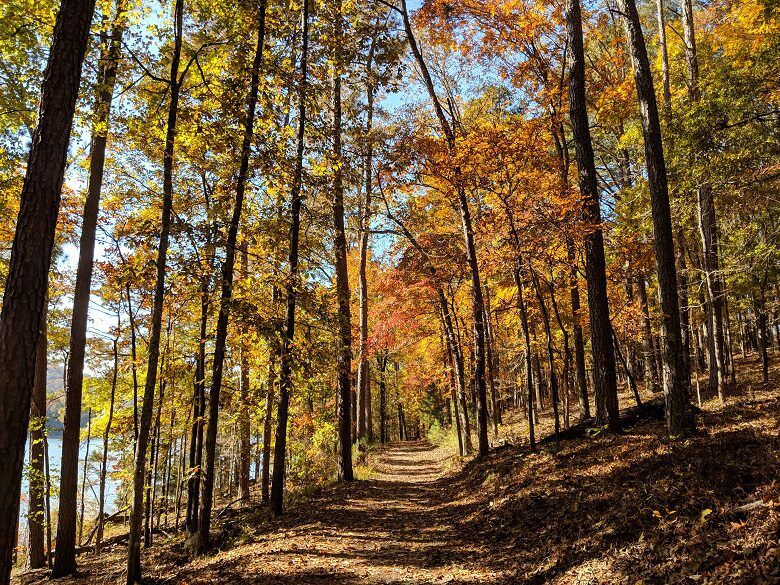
{"x":634,"y":508}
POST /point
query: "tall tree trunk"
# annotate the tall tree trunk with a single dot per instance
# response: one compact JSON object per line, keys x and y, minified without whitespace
{"x":604,"y":375}
{"x":579,"y":345}
{"x":106,"y":435}
{"x":550,"y":351}
{"x":344,"y":367}
{"x":198,"y":408}
{"x":477,"y":302}
{"x":382,"y":367}
{"x":145,"y":422}
{"x":36,"y":511}
{"x":529,"y":369}
{"x":65,"y":557}
{"x":220,"y":341}
{"x":244,"y":432}
{"x":364,"y":367}
{"x":285,"y":373}
{"x":25,"y":287}
{"x":676,"y":379}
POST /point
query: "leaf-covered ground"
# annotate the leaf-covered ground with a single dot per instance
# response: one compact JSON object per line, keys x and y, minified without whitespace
{"x":634,"y":508}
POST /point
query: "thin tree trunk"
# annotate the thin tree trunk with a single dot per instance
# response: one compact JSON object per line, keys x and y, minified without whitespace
{"x":676,"y":379}
{"x":145,"y":422}
{"x":550,"y":351}
{"x":26,"y":283}
{"x":477,"y":301}
{"x":579,"y":345}
{"x":65,"y":557}
{"x":759,"y":306}
{"x":529,"y":371}
{"x":84,"y":475}
{"x":244,"y":398}
{"x":364,"y":367}
{"x":604,"y":375}
{"x":285,"y":373}
{"x":207,"y":496}
{"x":382,"y":367}
{"x":495,"y":410}
{"x":134,"y":363}
{"x":647,"y":336}
{"x":344,"y":366}
{"x":36,"y":510}
{"x":106,"y":435}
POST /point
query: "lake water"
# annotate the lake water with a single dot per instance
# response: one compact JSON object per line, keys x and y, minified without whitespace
{"x":93,"y":479}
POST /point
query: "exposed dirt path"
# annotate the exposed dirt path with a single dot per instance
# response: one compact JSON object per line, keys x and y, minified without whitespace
{"x":397,"y":527}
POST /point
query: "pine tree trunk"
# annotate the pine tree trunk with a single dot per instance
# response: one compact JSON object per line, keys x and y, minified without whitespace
{"x":145,"y":421}
{"x":676,"y":379}
{"x":604,"y":375}
{"x":285,"y":373}
{"x":26,"y":283}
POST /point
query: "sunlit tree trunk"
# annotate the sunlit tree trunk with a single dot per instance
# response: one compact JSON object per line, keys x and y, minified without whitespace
{"x":605,"y":378}
{"x":145,"y":422}
{"x":65,"y":557}
{"x":106,"y":435}
{"x":285,"y":373}
{"x":228,"y":266}
{"x":36,"y":509}
{"x":344,"y":365}
{"x":676,"y":379}
{"x":477,"y":302}
{"x":364,"y":369}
